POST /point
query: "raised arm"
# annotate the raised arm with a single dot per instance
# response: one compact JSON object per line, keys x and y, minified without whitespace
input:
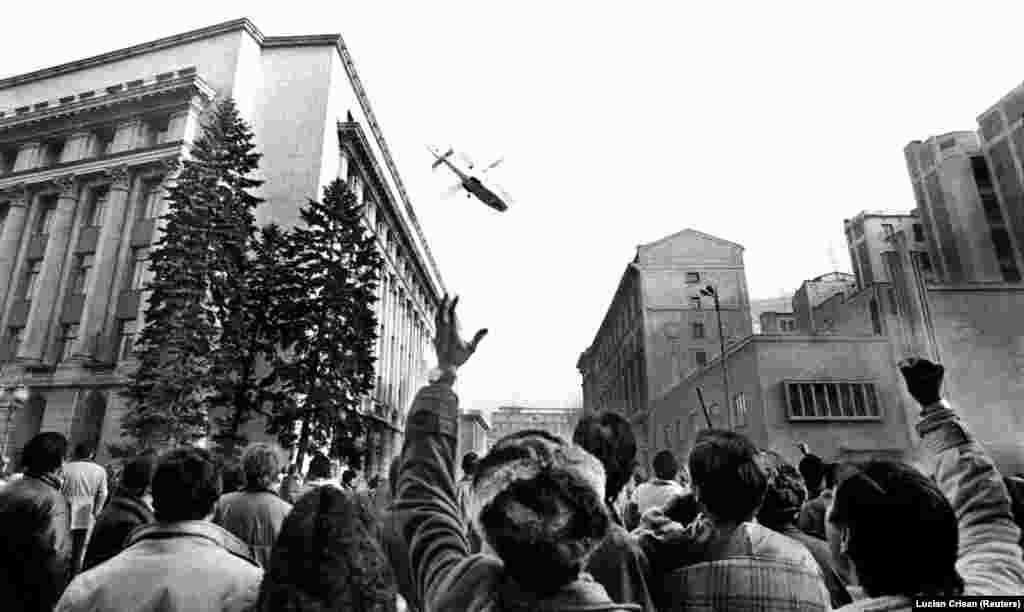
{"x":989,"y":558}
{"x":433,"y":525}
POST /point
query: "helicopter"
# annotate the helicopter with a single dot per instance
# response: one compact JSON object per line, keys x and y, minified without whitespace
{"x":473,"y":182}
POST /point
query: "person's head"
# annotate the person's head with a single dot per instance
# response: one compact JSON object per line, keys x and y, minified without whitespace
{"x":293,"y":470}
{"x":785,"y":495}
{"x":727,"y":479}
{"x":469,"y":461}
{"x":393,"y":476}
{"x":348,"y":477}
{"x":665,"y":465}
{"x":682,"y":509}
{"x":898,"y":530}
{"x":137,"y":475}
{"x":539,"y":501}
{"x":326,"y":558}
{"x":261,"y":464}
{"x":83,"y":452}
{"x":374,"y":482}
{"x":609,"y":437}
{"x":812,"y":469}
{"x":44,"y":454}
{"x":186,"y":485}
{"x":319,"y":467}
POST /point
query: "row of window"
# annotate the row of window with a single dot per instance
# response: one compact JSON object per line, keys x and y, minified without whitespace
{"x":832,"y":401}
{"x":155,"y":131}
{"x":69,"y":335}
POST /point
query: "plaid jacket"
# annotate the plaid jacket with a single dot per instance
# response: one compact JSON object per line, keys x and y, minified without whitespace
{"x":746,"y":584}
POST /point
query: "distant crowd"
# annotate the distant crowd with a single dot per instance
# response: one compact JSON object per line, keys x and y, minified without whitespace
{"x":538,"y":524}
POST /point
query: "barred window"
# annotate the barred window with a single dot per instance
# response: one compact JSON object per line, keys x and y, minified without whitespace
{"x":832,"y":401}
{"x":740,"y":407}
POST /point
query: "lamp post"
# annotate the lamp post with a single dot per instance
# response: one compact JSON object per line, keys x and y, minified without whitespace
{"x":12,"y":398}
{"x":710,"y":292}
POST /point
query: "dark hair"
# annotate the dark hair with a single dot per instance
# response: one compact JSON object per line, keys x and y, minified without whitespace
{"x":682,"y":509}
{"x":319,"y":467}
{"x":665,"y":465}
{"x":348,"y":476}
{"x":469,"y":461}
{"x":540,"y":555}
{"x":83,"y":451}
{"x":232,"y":476}
{"x":374,"y":481}
{"x":784,"y":497}
{"x":903,"y":532}
{"x":812,"y":469}
{"x":609,"y":437}
{"x":261,"y":464}
{"x":730,"y":483}
{"x":186,"y":485}
{"x":393,"y":475}
{"x":831,"y":474}
{"x":293,"y":470}
{"x":326,"y":558}
{"x":44,"y":453}
{"x":137,"y":474}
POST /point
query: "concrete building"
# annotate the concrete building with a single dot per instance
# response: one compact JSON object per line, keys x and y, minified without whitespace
{"x":1001,"y":136}
{"x":658,"y":328}
{"x":473,"y":435}
{"x":777,"y":323}
{"x":867,"y":237}
{"x":85,"y":151}
{"x":511,"y":419}
{"x":758,"y":306}
{"x":965,"y":222}
{"x":814,"y":291}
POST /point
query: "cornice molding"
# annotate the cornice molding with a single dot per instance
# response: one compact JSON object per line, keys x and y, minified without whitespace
{"x":18,"y":194}
{"x":82,"y":168}
{"x":66,"y":183}
{"x":118,"y":175}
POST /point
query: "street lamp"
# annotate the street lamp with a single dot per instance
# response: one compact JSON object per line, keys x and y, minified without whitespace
{"x":12,"y":398}
{"x":710,"y":292}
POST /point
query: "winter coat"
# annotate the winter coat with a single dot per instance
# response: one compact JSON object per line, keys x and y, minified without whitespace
{"x":656,"y":493}
{"x":117,"y":521}
{"x":447,"y":575}
{"x":35,"y":544}
{"x":989,"y":560}
{"x":291,"y":487}
{"x":823,"y":555}
{"x":812,"y":515}
{"x":620,"y":566}
{"x":254,"y":517}
{"x":191,"y":566}
{"x":397,"y":552}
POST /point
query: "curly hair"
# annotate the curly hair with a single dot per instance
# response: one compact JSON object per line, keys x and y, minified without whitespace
{"x":261,"y":464}
{"x":326,"y":559}
{"x":609,"y":437}
{"x":785,"y":495}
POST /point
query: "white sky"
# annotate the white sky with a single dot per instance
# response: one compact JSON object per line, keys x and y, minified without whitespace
{"x":765,"y":123}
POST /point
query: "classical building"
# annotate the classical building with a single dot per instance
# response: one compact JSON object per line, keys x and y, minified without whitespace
{"x":84,"y":154}
{"x":511,"y":419}
{"x":659,"y":328}
{"x":968,"y":230}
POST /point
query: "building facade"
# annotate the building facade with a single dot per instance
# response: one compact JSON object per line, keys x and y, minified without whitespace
{"x":473,"y":435}
{"x":659,"y":328}
{"x":511,"y":419}
{"x":85,"y":151}
{"x":1001,"y":130}
{"x":958,"y":198}
{"x":867,"y":238}
{"x":813,"y":292}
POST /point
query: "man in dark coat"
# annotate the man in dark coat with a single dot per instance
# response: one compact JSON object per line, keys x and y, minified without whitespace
{"x":35,"y":529}
{"x":127,"y":510}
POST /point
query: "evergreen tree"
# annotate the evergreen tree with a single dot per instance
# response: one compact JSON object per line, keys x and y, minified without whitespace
{"x":329,"y":325}
{"x":199,"y":269}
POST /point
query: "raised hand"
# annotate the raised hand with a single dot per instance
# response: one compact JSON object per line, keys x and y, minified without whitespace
{"x":924,"y":379}
{"x":452,"y":349}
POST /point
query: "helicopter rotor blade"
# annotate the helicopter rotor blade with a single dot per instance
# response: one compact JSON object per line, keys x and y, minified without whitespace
{"x":494,"y":164}
{"x":467,"y":160}
{"x":451,"y":191}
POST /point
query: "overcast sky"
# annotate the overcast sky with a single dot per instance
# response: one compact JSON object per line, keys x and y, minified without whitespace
{"x":764,"y":123}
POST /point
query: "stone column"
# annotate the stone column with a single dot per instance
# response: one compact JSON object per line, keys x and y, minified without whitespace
{"x":28,"y":156}
{"x":99,"y":292}
{"x":44,"y":303}
{"x":10,"y":238}
{"x":184,"y":124}
{"x":173,"y":167}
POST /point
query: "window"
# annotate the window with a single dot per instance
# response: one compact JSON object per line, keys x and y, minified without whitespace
{"x":355,"y":185}
{"x":698,"y":330}
{"x":157,"y":130}
{"x":98,"y":206}
{"x":926,"y":262}
{"x":103,"y":141}
{"x":700,"y":358}
{"x":126,"y":339}
{"x":668,"y":440}
{"x":4,"y":210}
{"x":14,"y":337}
{"x":918,"y":232}
{"x":48,"y":205}
{"x":8,"y":158}
{"x":888,"y":229}
{"x":695,"y":302}
{"x":832,"y":401}
{"x":28,"y":287}
{"x":68,"y":335}
{"x":876,"y":317}
{"x":151,"y":194}
{"x":740,"y":408}
{"x":140,"y":261}
{"x":692,"y":277}
{"x":81,"y":274}
{"x":51,"y":152}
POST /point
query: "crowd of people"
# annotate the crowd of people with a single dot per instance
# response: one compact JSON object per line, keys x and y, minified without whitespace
{"x":539,"y":523}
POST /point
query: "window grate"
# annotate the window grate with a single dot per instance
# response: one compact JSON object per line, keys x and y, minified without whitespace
{"x":832,"y":401}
